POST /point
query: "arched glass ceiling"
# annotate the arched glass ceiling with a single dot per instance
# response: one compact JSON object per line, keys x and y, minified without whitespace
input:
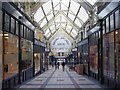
{"x":61,"y":13}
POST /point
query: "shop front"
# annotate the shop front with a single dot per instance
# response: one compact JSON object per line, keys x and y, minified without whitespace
{"x":93,"y":42}
{"x":83,"y":54}
{"x":111,"y":25}
{"x":117,"y":57}
{"x":37,"y":62}
{"x":39,"y":56}
{"x":16,"y":51}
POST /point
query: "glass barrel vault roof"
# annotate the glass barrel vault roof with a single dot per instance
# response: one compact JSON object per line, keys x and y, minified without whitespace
{"x":58,"y":13}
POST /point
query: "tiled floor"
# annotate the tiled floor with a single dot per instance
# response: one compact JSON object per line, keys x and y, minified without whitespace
{"x":61,"y":79}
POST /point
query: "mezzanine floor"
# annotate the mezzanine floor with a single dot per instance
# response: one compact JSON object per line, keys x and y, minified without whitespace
{"x":54,"y":79}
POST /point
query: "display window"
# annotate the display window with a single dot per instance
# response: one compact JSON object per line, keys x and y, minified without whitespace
{"x":10,"y":54}
{"x":117,"y":53}
{"x":27,"y":53}
{"x":108,"y":55}
{"x":93,"y":52}
{"x":7,"y":22}
{"x":12,"y":26}
{"x":94,"y":59}
{"x":117,"y":19}
{"x":16,"y":27}
{"x":37,"y":62}
{"x":107,"y":24}
{"x":112,"y":22}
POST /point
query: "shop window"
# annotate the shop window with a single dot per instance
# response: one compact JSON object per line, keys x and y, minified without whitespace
{"x":117,"y":45}
{"x":108,"y":55}
{"x":1,"y":53}
{"x":111,"y":22}
{"x":37,"y":62}
{"x":27,"y":53}
{"x":29,"y":34}
{"x":12,"y":25}
{"x":107,"y":25}
{"x":104,"y":27}
{"x":21,"y":30}
{"x":10,"y":55}
{"x":93,"y":53}
{"x":26,"y":32}
{"x":7,"y":22}
{"x":85,"y":53}
{"x":25,"y":28}
{"x":117,"y":19}
{"x":16,"y":28}
{"x":94,"y":59}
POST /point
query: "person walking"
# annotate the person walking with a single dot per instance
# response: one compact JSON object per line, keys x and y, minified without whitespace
{"x":58,"y":64}
{"x":63,"y":65}
{"x":55,"y":65}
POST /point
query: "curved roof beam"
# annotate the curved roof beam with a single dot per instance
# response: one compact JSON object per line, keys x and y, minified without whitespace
{"x":61,"y":27}
{"x":67,"y":18}
{"x":77,"y":17}
{"x":85,"y":4}
{"x":35,"y":7}
{"x":55,"y":16}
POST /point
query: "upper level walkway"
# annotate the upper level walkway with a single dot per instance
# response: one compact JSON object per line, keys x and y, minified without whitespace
{"x":68,"y":79}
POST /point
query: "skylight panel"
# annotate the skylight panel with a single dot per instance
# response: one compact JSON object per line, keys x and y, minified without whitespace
{"x":63,"y":19}
{"x":70,"y":27}
{"x":68,"y":30}
{"x":55,"y":12}
{"x":74,"y":32}
{"x":57,"y":7}
{"x":48,"y":35}
{"x":71,"y":16}
{"x":63,"y":7}
{"x":47,"y":7}
{"x":57,"y":25}
{"x":65,"y":13}
{"x":83,"y":14}
{"x":63,"y":24}
{"x":38,"y":15}
{"x":73,"y":35}
{"x":58,"y":19}
{"x":52,"y":26}
{"x":43,"y":23}
{"x":66,"y":2}
{"x":77,"y":22}
{"x":46,"y":32}
{"x":53,"y":30}
{"x":50,"y":17}
{"x":74,"y":7}
{"x":55,"y":2}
